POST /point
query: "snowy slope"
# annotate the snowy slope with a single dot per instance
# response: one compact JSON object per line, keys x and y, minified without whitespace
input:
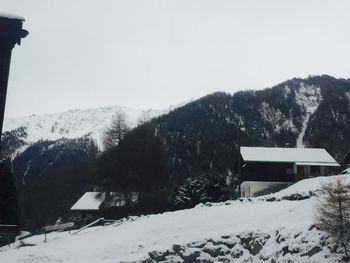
{"x":133,"y":240}
{"x":309,"y":98}
{"x":75,"y":123}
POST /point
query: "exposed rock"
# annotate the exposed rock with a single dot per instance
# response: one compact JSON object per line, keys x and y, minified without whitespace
{"x":271,"y":199}
{"x":280,"y":239}
{"x":173,"y":259}
{"x":177,"y":248}
{"x":312,"y":251}
{"x":199,"y":244}
{"x":296,"y":235}
{"x":237,"y":253}
{"x":223,"y":259}
{"x":254,"y":247}
{"x":148,"y":260}
{"x":204,"y":258}
{"x":216,"y":251}
{"x":286,"y":250}
{"x":264,"y":258}
{"x":296,"y":197}
{"x":253,"y":242}
{"x":190,"y":256}
{"x":158,"y":256}
{"x":313,"y":227}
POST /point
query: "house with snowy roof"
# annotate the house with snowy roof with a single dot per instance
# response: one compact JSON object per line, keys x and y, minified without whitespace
{"x":89,"y":204}
{"x":268,"y":169}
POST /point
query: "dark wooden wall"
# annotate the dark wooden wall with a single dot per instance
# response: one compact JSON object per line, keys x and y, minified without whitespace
{"x":268,"y":172}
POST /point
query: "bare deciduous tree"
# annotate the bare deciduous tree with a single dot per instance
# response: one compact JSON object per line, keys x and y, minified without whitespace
{"x":144,"y":117}
{"x":116,"y":132}
{"x":333,"y":213}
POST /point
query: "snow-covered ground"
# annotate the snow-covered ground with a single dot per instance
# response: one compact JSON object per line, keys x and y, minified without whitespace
{"x":133,"y":240}
{"x":309,"y":98}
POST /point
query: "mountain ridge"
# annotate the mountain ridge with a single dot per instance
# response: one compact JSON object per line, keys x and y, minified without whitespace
{"x":74,"y":123}
{"x":77,"y":123}
{"x":200,"y":137}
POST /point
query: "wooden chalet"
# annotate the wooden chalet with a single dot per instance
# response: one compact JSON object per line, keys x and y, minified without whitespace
{"x":88,"y":207}
{"x":88,"y":204}
{"x":268,"y":169}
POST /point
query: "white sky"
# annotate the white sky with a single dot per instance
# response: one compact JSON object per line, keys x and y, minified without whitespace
{"x":151,"y":54}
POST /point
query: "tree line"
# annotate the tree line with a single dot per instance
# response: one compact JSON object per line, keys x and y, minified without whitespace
{"x":133,"y":161}
{"x":138,"y":161}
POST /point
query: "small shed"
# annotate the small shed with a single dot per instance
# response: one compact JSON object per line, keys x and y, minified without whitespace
{"x":267,"y":169}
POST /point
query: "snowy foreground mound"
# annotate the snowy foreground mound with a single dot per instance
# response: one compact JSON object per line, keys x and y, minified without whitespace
{"x":274,"y":228}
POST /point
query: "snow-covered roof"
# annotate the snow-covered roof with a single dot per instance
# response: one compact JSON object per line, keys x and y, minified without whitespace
{"x":93,"y":200}
{"x":301,"y":156}
{"x":89,"y":201}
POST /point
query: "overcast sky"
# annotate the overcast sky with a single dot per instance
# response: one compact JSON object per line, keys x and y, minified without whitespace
{"x":152,"y":54}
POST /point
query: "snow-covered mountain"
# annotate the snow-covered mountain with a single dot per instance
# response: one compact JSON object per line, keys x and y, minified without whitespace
{"x":274,"y":228}
{"x":77,"y":123}
{"x":200,"y":137}
{"x":74,"y":123}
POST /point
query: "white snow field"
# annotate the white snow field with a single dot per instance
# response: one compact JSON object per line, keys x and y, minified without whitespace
{"x":79,"y":122}
{"x":130,"y":241}
{"x":75,"y":123}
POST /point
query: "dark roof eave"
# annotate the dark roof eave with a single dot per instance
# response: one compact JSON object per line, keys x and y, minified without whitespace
{"x":291,"y":162}
{"x":79,"y":210}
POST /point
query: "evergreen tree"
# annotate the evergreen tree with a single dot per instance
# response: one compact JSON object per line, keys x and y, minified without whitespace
{"x":210,"y":186}
{"x":51,"y":176}
{"x":190,"y":194}
{"x":138,"y":164}
{"x":116,"y":132}
{"x":9,"y":211}
{"x":144,"y":160}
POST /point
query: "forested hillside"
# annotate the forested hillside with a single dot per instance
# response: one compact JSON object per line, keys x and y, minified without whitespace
{"x":199,"y":140}
{"x":49,"y":176}
{"x":201,"y":136}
